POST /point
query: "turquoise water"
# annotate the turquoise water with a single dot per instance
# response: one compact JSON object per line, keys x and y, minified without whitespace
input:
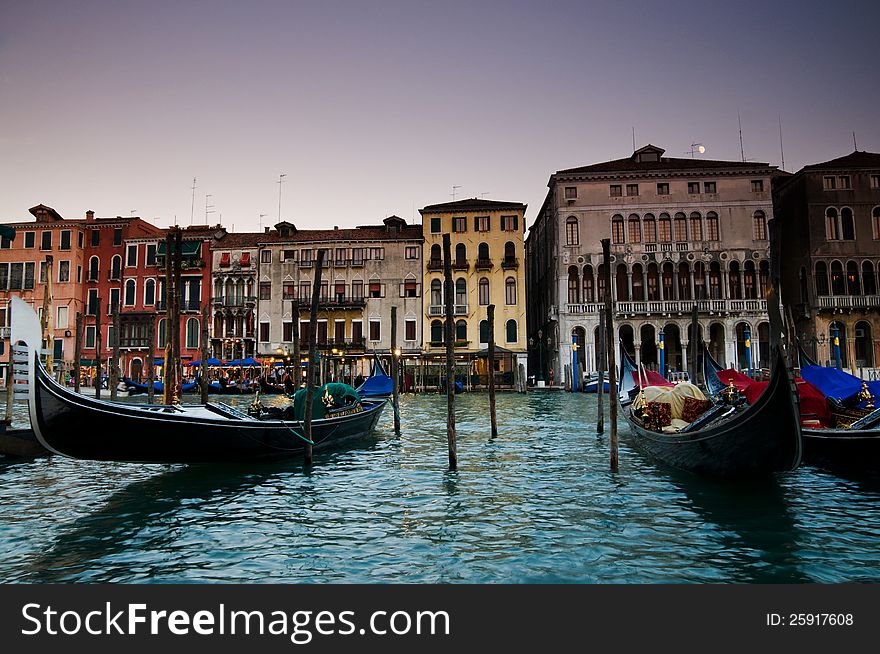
{"x":536,"y":504}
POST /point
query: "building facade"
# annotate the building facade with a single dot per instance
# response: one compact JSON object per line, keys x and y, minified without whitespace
{"x":488,"y":254}
{"x":829,"y":218}
{"x":367,"y":270}
{"x":684,"y":232}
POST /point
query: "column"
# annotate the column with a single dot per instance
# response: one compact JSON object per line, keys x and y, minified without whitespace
{"x":629,"y":281}
{"x":638,"y":346}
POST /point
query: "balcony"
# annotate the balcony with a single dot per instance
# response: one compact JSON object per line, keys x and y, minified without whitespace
{"x":510,"y":264}
{"x":483,"y":264}
{"x":849,"y":301}
{"x":460,"y":309}
{"x":306,"y":264}
{"x":114,"y":276}
{"x":435,"y":264}
{"x":435,"y":310}
{"x":187,"y":306}
{"x":343,"y":303}
{"x":681,"y":247}
{"x":357,"y":263}
{"x":340,"y":263}
{"x":461,"y":265}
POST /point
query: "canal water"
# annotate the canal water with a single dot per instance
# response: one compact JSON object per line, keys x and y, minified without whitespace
{"x":537,"y":504}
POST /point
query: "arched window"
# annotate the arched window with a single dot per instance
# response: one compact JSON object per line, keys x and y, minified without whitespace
{"x":94,"y":269}
{"x":160,"y":335}
{"x":715,"y":280}
{"x":149,"y":292}
{"x":712,"y":229}
{"x":617,"y":228}
{"x":665,"y":228}
{"x":699,"y":280}
{"x":838,"y":286}
{"x":436,"y":292}
{"x":116,"y":267}
{"x":760,"y":226}
{"x":588,"y":284}
{"x":436,"y":255}
{"x":832,"y":222}
{"x":572,"y":236}
{"x":869,"y":284}
{"x":460,"y":254}
{"x":684,"y":281}
{"x":751,"y":291}
{"x":848,"y":227}
{"x":461,"y":291}
{"x":484,"y":331}
{"x":622,"y":283}
{"x":436,"y":331}
{"x":875,"y":222}
{"x":509,"y":252}
{"x":668,"y":281}
{"x":483,"y":287}
{"x":511,"y":331}
{"x":573,"y":285}
{"x":461,"y":330}
{"x":600,"y":283}
{"x":483,"y":252}
{"x":130,"y":292}
{"x":763,"y":278}
{"x":192,"y":332}
{"x":510,"y":291}
{"x":680,"y":227}
{"x":852,"y":278}
{"x":696,"y":226}
{"x":638,"y":294}
{"x":734,"y":279}
{"x":653,"y":283}
{"x":635,"y":229}
{"x":821,"y":278}
{"x":650,"y":228}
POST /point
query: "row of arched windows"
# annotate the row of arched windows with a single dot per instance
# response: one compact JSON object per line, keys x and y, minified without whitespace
{"x":461,"y":291}
{"x":130,"y":297}
{"x":482,"y":252}
{"x":668,"y":281}
{"x":511,"y":331}
{"x":851,"y":280}
{"x":651,"y":229}
{"x":193,"y":332}
{"x":94,"y":268}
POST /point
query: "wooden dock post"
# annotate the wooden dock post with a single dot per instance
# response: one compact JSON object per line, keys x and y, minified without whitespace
{"x":98,"y":343}
{"x":490,"y":316}
{"x":203,"y":367}
{"x":310,"y":374}
{"x":151,"y":366}
{"x":77,"y":349}
{"x":296,"y":377}
{"x":10,"y":390}
{"x":174,"y":324}
{"x":449,"y":334}
{"x":395,"y":385}
{"x":694,"y":343}
{"x":600,"y":388}
{"x":114,"y":364}
{"x":610,"y":348}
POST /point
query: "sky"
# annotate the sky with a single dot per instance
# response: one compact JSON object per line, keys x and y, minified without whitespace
{"x":377,"y":108}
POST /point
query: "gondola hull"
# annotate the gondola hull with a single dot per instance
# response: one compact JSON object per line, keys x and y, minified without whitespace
{"x":84,"y":428}
{"x":763,"y":439}
{"x":842,"y":448}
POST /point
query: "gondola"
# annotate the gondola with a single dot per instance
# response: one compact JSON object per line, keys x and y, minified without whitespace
{"x":732,"y":440}
{"x":16,"y":442}
{"x":136,"y":388}
{"x":82,"y":427}
{"x":378,"y":385}
{"x":856,"y":446}
{"x":268,"y":388}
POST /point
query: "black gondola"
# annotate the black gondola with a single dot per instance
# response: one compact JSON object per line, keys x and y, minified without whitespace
{"x":730,"y":442}
{"x":110,"y":431}
{"x":856,"y":446}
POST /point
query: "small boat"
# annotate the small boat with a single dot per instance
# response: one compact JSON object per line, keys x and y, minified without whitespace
{"x":136,"y":388}
{"x":591,"y":384}
{"x":83,"y":427}
{"x":268,"y":388}
{"x":730,"y":438}
{"x":850,"y":436}
{"x":378,"y":385}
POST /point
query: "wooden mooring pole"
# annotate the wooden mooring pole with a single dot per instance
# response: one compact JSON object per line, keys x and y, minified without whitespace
{"x":449,"y":334}
{"x":296,"y":377}
{"x":151,"y":365}
{"x":395,"y":386}
{"x":490,"y":316}
{"x":98,"y":343}
{"x":611,"y":349}
{"x":77,"y":349}
{"x":203,"y":367}
{"x":310,"y":381}
{"x":600,"y":389}
{"x":114,"y":364}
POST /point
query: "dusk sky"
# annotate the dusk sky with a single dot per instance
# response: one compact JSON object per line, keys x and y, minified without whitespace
{"x":379,"y":108}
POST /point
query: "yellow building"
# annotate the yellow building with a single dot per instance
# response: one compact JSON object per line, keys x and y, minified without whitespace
{"x":488,"y":267}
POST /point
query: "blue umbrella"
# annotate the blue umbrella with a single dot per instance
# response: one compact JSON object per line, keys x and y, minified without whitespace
{"x":250,"y":361}
{"x":211,"y":362}
{"x":233,"y":363}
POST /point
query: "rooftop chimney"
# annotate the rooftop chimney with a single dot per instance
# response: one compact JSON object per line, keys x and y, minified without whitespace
{"x":267,"y":229}
{"x":90,"y":215}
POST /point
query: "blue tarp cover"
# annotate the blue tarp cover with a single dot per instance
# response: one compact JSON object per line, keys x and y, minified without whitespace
{"x":837,"y":384}
{"x":376,"y":385}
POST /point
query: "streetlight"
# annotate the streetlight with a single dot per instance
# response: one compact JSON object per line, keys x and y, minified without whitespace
{"x":835,"y":343}
{"x":540,"y":356}
{"x":747,"y":334}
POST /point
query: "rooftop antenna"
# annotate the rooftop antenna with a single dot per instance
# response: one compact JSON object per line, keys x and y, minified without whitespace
{"x":262,"y":215}
{"x":454,"y":186}
{"x":192,"y":209}
{"x":209,"y":208}
{"x":484,"y":194}
{"x":742,"y":152}
{"x":634,"y":138}
{"x":280,"y":182}
{"x":855,"y":145}
{"x":781,"y":149}
{"x":697,"y":147}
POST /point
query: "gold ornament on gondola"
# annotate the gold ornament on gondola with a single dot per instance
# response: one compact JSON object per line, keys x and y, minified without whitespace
{"x":866,"y":396}
{"x":730,"y":393}
{"x":327,"y":399}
